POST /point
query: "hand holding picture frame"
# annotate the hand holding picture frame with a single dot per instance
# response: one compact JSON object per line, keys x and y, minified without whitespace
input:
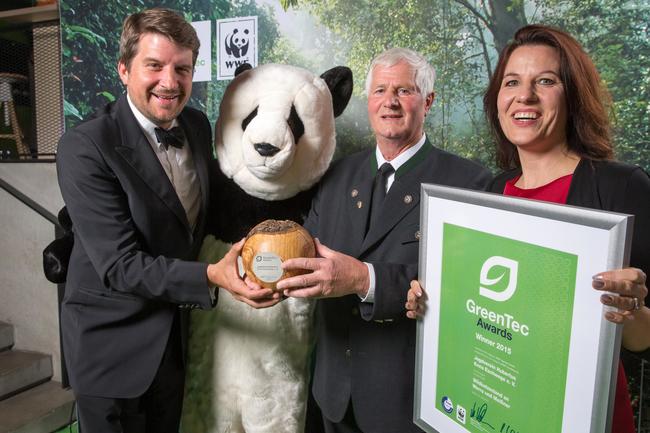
{"x":514,"y":338}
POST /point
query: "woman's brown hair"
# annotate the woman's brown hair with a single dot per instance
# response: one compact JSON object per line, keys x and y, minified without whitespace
{"x":588,"y":129}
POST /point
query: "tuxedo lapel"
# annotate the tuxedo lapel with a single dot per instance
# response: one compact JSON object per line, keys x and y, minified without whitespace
{"x":136,"y":150}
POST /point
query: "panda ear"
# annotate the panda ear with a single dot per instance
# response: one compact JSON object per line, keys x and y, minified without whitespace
{"x":241,"y":68}
{"x":339,"y":81}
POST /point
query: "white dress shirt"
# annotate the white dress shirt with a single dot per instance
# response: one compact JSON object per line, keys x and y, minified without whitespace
{"x":178,"y":165}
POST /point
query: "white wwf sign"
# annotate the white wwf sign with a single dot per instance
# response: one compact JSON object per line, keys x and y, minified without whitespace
{"x":237,"y":44}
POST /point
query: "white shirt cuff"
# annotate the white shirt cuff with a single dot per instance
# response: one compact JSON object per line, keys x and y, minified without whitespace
{"x":370,"y":296}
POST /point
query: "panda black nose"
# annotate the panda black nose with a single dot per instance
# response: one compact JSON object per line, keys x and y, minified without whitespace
{"x":266,"y":149}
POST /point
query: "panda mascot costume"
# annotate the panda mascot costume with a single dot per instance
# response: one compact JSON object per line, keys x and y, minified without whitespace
{"x":275,"y":137}
{"x":249,"y":369}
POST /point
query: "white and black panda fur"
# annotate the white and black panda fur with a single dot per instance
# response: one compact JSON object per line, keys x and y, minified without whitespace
{"x":275,"y":138}
{"x":275,"y":122}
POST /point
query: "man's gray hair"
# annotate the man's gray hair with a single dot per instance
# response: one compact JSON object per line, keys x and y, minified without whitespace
{"x":425,"y":74}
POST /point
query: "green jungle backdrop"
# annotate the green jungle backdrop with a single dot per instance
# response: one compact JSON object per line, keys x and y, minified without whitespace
{"x":461,"y":39}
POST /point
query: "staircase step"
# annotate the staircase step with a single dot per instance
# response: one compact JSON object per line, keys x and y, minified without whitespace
{"x":6,"y":336}
{"x":20,"y":370}
{"x":42,"y":409}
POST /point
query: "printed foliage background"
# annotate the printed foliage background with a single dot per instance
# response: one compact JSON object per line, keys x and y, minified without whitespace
{"x":461,"y":38}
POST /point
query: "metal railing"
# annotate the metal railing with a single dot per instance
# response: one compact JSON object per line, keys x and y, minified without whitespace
{"x":58,"y":232}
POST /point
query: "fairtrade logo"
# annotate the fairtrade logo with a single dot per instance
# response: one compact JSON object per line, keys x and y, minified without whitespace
{"x":447,"y":405}
{"x":491,"y":263}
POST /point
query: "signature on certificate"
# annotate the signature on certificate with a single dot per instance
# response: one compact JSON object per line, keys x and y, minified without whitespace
{"x":479,"y":414}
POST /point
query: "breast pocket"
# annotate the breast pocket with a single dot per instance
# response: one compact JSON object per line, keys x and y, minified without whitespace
{"x":410,"y":234}
{"x":409,"y":247}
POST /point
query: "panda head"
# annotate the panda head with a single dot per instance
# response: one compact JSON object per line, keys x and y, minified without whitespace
{"x":275,"y":134}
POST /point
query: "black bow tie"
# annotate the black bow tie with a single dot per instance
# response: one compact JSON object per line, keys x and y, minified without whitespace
{"x":170,"y":137}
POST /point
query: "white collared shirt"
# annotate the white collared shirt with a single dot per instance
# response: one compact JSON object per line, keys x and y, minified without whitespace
{"x":178,"y":165}
{"x":397,"y":162}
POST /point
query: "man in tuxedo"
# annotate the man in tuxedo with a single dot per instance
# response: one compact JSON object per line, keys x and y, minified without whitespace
{"x":366,"y":217}
{"x":136,"y":183}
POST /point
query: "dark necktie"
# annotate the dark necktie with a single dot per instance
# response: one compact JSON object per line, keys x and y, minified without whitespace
{"x":379,"y":192}
{"x":170,"y":137}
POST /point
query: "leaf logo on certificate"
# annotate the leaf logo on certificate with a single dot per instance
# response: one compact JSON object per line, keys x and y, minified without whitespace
{"x":501,"y":310}
{"x":491,"y":264}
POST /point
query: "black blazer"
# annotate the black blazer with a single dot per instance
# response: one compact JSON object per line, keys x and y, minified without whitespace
{"x":131,"y":264}
{"x":611,"y":186}
{"x":366,"y":352}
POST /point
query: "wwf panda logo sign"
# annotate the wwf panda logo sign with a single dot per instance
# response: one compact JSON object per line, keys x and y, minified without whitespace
{"x":237,"y":42}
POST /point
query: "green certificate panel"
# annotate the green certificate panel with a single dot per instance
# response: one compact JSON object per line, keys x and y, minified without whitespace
{"x":505,"y":325}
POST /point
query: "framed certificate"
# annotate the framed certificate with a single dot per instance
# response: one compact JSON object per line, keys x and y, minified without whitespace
{"x":514,"y":340}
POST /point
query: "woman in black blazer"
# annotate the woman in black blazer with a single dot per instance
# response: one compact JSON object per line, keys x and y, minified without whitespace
{"x":544,"y":104}
{"x":549,"y":125}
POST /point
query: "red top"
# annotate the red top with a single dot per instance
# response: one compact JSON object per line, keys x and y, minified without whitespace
{"x":556,"y":192}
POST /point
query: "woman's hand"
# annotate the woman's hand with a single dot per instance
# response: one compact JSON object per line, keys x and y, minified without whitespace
{"x":415,"y":301}
{"x":630,"y":286}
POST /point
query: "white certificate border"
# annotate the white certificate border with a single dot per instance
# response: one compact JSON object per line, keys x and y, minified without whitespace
{"x":600,"y":239}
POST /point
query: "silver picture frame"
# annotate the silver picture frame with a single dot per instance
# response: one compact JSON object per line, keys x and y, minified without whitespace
{"x":510,"y":216}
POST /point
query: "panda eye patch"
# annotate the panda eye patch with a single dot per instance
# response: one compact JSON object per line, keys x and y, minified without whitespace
{"x":248,"y":119}
{"x":296,"y":125}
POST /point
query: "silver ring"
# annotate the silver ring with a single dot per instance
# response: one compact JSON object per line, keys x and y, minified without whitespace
{"x":636,"y":304}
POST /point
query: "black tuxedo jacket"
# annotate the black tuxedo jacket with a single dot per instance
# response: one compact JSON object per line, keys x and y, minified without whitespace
{"x":611,"y":186}
{"x":131,"y":265}
{"x":366,"y":351}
